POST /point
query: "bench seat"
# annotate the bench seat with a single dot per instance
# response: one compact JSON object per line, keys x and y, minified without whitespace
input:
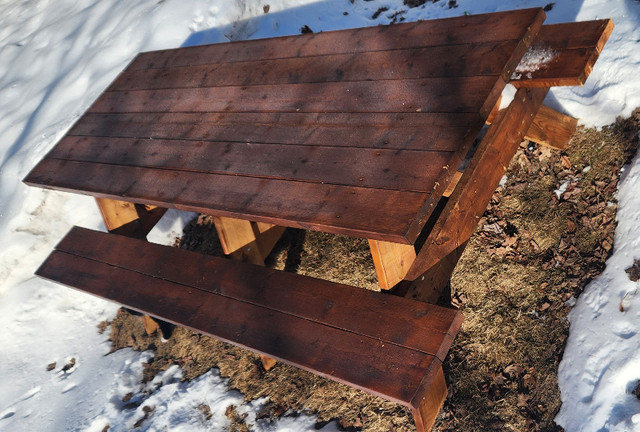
{"x":386,"y":345}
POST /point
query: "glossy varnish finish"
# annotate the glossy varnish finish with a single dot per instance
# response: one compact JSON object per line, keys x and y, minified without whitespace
{"x":354,"y":132}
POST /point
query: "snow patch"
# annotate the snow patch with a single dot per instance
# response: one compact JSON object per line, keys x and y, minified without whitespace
{"x":534,"y":59}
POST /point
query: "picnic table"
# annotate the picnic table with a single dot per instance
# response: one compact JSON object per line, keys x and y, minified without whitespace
{"x":381,"y":133}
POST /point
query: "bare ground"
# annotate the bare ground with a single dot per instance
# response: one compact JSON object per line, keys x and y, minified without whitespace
{"x":532,"y":254}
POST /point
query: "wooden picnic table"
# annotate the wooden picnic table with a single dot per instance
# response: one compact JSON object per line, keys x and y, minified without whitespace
{"x":374,"y":132}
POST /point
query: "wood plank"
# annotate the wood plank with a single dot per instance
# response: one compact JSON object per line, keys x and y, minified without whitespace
{"x":126,"y":218}
{"x":116,"y":213}
{"x":392,"y":261}
{"x":576,"y":47}
{"x":234,"y":234}
{"x":465,"y":60}
{"x":468,"y":201}
{"x":524,"y":41}
{"x":410,"y":131}
{"x":585,"y":34}
{"x":392,"y":319}
{"x":452,"y":185}
{"x":376,"y":168}
{"x":457,"y":94}
{"x":384,"y":369}
{"x":427,"y":406}
{"x":245,"y":241}
{"x":551,"y":128}
{"x":449,"y":31}
{"x":335,"y":209}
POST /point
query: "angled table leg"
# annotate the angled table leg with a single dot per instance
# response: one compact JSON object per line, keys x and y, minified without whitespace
{"x":250,"y":242}
{"x":469,"y":199}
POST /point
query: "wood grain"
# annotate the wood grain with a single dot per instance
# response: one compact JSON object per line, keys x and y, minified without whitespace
{"x":408,"y":131}
{"x":392,"y":319}
{"x":331,"y":208}
{"x":476,"y":186}
{"x":446,"y":32}
{"x":362,"y":167}
{"x":392,"y":261}
{"x":406,"y":96}
{"x":462,"y":60}
{"x":576,"y":48}
{"x":313,"y":131}
{"x":169,"y":284}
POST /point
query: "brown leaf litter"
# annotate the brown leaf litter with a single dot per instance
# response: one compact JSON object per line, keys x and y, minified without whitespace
{"x":534,"y":250}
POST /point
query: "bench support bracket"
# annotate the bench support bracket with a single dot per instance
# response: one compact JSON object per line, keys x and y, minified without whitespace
{"x":129,"y":219}
{"x":392,"y":261}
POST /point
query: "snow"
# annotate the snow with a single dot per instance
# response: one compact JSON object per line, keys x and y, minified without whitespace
{"x":536,"y":58}
{"x":57,"y":57}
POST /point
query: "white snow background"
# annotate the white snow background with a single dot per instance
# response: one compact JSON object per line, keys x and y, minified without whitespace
{"x":56,"y":57}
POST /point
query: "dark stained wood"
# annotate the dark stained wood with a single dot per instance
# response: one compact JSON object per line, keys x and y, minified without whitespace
{"x":416,"y":325}
{"x":457,"y":94}
{"x":314,"y":108}
{"x":337,"y":209}
{"x":576,"y":47}
{"x":332,"y":345}
{"x":429,"y":400}
{"x":450,"y":31}
{"x":524,"y":41}
{"x":377,"y":168}
{"x":387,"y":370}
{"x":585,"y":34}
{"x":469,"y":199}
{"x":433,"y":62}
{"x":550,"y":128}
{"x":409,"y":131}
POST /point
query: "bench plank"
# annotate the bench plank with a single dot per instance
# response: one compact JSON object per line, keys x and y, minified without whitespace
{"x":419,"y":326}
{"x":576,"y":47}
{"x":201,"y":294}
{"x":287,"y":338}
{"x":408,"y":131}
{"x":446,"y":32}
{"x":377,"y":168}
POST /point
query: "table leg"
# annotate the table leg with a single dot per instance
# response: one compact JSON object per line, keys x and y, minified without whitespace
{"x":549,"y":128}
{"x":250,"y":242}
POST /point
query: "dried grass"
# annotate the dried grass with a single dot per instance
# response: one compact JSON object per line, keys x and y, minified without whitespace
{"x":501,"y":371}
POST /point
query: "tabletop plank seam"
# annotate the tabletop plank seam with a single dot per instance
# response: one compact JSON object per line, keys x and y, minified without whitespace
{"x":245,"y":175}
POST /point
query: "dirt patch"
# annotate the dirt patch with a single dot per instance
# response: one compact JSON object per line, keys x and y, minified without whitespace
{"x":545,"y":235}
